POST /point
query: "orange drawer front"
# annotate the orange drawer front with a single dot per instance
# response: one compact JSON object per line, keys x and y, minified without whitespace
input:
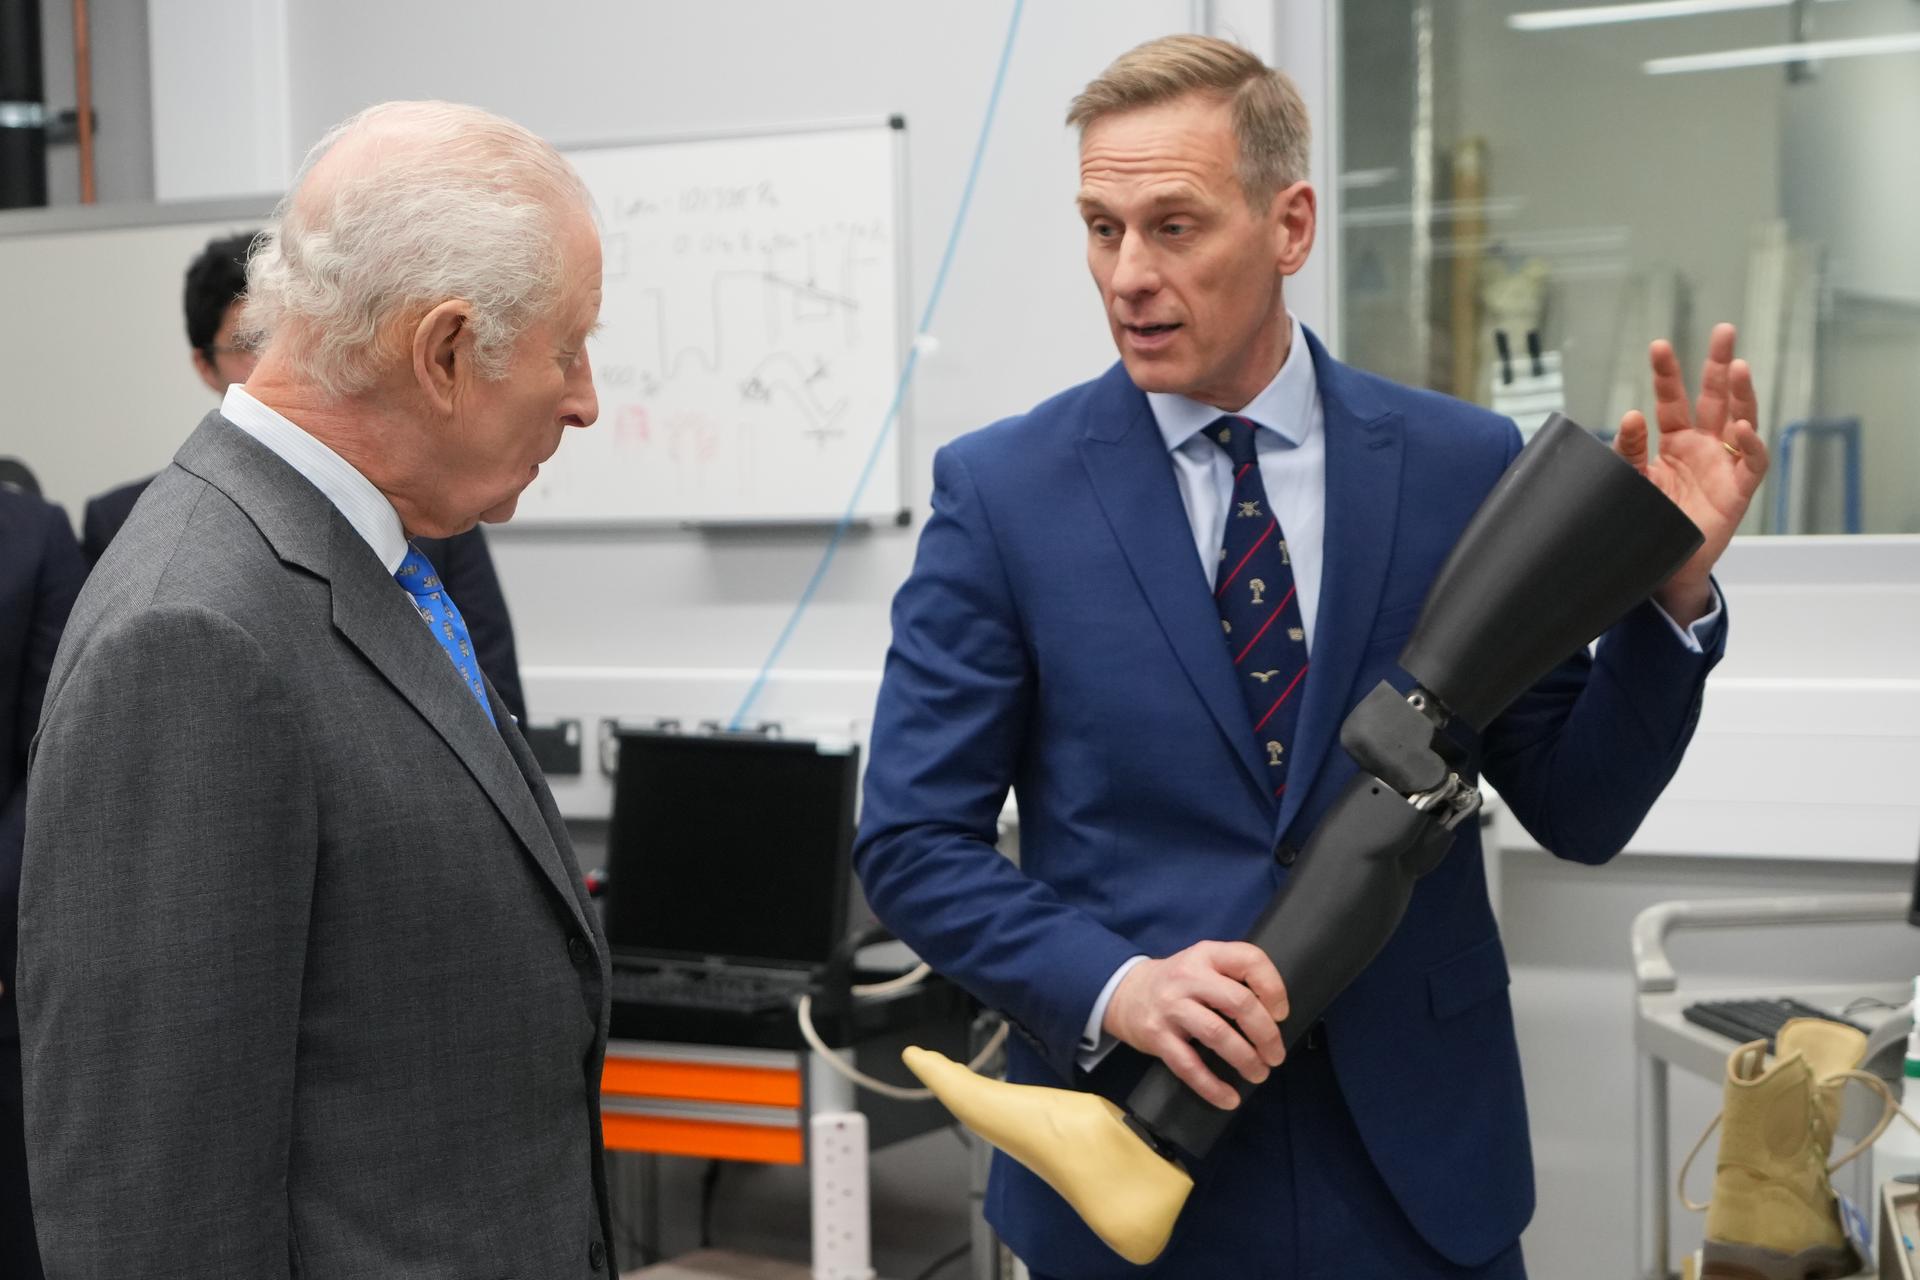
{"x":701,"y":1082}
{"x":713,"y":1139}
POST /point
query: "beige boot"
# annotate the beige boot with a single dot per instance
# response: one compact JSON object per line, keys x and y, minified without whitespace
{"x":1773,"y":1214}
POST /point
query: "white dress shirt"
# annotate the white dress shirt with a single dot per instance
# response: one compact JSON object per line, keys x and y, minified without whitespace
{"x":364,"y":506}
{"x":1291,"y":447}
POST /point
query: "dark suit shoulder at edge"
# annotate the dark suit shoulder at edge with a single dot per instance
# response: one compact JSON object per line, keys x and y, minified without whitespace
{"x":26,"y":515}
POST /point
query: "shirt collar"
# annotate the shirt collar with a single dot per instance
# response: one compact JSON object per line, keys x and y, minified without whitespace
{"x":355,"y":496}
{"x":1284,"y":407}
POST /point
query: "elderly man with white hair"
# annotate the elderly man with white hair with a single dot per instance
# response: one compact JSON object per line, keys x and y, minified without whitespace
{"x":308,"y":982}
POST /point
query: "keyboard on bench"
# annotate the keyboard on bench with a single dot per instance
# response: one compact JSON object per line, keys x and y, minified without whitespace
{"x":741,"y":993}
{"x":1747,"y":1020}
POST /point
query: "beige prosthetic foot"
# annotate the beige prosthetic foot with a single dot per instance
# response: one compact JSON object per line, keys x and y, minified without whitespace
{"x":1079,"y":1145}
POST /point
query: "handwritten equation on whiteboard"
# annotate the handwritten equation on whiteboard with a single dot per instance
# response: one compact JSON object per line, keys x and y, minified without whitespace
{"x":750,"y":335}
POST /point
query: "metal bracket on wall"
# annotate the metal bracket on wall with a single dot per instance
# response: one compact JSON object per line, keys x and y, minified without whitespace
{"x":63,"y":127}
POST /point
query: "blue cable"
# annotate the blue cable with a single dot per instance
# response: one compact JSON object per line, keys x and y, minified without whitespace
{"x":900,"y":387}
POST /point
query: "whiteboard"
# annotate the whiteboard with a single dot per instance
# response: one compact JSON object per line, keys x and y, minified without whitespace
{"x":752,"y":332}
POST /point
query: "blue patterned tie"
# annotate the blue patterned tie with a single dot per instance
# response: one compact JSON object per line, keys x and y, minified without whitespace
{"x":438,"y":611}
{"x":1259,"y":613}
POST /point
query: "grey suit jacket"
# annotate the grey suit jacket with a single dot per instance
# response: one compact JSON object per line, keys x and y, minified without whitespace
{"x":308,"y":982}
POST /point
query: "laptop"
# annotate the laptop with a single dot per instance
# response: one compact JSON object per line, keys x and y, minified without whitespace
{"x":729,"y":868}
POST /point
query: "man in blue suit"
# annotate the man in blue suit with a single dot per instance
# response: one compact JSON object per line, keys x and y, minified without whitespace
{"x":40,"y":575}
{"x":1062,"y":634}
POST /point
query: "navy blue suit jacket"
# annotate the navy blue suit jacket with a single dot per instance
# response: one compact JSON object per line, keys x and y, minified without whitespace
{"x":40,"y":574}
{"x":463,"y":560}
{"x":1058,"y":636}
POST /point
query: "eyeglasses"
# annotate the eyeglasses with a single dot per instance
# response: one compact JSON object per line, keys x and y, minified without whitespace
{"x":217,"y":350}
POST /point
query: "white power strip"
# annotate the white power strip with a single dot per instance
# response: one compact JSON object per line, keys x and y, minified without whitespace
{"x":837,"y":1166}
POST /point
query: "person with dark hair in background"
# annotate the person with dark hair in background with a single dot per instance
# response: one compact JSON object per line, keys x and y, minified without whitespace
{"x":17,"y":476}
{"x":216,"y":284}
{"x":40,"y":574}
{"x":215,"y":290}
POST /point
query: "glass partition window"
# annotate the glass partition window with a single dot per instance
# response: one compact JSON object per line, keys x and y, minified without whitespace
{"x":1531,"y":191}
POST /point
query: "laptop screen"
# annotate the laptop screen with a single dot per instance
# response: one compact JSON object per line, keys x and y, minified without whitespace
{"x":730,"y":847}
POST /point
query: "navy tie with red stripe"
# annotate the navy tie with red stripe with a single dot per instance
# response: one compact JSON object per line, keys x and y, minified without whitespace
{"x":1259,"y":613}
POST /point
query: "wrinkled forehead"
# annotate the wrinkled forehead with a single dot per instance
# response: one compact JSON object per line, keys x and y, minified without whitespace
{"x":1181,"y":149}
{"x":1185,"y":135}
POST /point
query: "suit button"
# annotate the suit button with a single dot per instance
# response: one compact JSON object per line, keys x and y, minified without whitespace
{"x":1284,"y":854}
{"x":577,"y":948}
{"x":597,"y":1255}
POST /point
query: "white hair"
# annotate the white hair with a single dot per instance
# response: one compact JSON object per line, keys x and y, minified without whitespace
{"x":447,"y":201}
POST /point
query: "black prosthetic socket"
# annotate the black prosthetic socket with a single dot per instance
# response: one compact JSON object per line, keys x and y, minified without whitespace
{"x":1568,"y":540}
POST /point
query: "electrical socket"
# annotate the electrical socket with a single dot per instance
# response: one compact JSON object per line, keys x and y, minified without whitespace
{"x":837,"y":1169}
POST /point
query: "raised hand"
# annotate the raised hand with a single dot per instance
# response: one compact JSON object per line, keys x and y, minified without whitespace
{"x":1710,"y":460}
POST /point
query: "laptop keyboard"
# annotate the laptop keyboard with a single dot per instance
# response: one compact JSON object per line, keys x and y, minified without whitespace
{"x":697,"y":989}
{"x":1745,"y":1020}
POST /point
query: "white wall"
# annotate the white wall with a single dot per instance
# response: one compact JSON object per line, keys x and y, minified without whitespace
{"x":235,"y":141}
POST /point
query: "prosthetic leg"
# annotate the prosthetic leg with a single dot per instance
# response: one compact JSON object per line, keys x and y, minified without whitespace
{"x":1567,"y":542}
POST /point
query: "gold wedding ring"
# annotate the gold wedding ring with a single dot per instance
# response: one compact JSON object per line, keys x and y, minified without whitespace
{"x":1730,"y":447}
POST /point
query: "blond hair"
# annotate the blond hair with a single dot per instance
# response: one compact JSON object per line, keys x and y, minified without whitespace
{"x":1269,"y":117}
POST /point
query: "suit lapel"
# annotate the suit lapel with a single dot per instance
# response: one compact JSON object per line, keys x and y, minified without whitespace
{"x":1364,"y":450}
{"x":1126,"y":458}
{"x":542,"y":797}
{"x":372,"y":612}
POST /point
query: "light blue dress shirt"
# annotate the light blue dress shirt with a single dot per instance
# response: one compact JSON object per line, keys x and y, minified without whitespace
{"x":1292,"y":450}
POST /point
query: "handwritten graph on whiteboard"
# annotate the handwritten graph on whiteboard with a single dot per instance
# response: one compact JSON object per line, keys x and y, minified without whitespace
{"x":752,"y":332}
